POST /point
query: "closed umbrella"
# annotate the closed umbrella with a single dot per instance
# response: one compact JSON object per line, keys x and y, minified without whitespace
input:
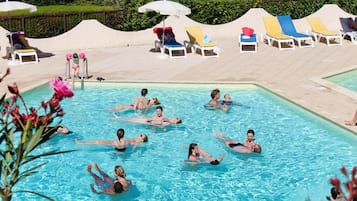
{"x":165,"y":7}
{"x":7,"y":6}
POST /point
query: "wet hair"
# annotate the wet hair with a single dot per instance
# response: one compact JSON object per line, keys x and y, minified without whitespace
{"x":250,"y":131}
{"x":179,"y":121}
{"x":214,"y":162}
{"x":334,"y":192}
{"x":119,"y":171}
{"x":214,"y":93}
{"x":257,"y":148}
{"x":118,"y":187}
{"x":156,"y":101}
{"x":192,"y":146}
{"x":120,"y":133}
{"x":144,"y":91}
{"x":145,"y":139}
{"x":159,"y":107}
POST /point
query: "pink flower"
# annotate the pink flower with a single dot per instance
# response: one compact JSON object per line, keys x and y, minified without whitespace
{"x":68,"y":56}
{"x":82,"y":55}
{"x":61,"y":88}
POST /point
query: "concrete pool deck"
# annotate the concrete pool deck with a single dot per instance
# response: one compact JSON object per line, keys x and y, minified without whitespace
{"x":294,"y":74}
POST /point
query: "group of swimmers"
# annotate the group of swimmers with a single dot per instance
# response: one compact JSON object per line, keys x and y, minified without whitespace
{"x":195,"y":153}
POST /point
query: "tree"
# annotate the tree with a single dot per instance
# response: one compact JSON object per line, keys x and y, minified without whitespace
{"x":22,"y":133}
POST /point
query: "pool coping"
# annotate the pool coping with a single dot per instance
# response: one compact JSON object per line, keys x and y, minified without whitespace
{"x":322,"y":80}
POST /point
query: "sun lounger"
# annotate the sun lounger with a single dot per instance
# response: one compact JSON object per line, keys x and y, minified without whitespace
{"x":288,"y":28}
{"x":275,"y":34}
{"x":201,"y":42}
{"x":319,"y":31}
{"x":347,"y":30}
{"x":21,"y":49}
{"x":168,"y":43}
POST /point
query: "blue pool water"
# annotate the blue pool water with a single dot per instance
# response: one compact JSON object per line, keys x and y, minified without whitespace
{"x":347,"y":79}
{"x":300,"y":150}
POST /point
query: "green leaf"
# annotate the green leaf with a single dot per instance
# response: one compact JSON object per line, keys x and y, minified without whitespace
{"x":26,"y":173}
{"x":30,"y":158}
{"x":34,"y":140}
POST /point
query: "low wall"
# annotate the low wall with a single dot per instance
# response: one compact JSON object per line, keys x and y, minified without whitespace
{"x":92,"y":34}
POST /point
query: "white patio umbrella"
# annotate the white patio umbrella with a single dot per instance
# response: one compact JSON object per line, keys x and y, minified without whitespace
{"x":165,"y":7}
{"x":16,"y":5}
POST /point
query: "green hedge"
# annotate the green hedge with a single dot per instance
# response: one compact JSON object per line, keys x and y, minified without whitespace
{"x":126,"y":17}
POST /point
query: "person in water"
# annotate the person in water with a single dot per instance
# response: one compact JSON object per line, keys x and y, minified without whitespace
{"x":215,"y":103}
{"x":107,"y":184}
{"x":228,"y":100}
{"x":140,"y":103}
{"x":120,"y":144}
{"x":246,"y":147}
{"x":137,"y":105}
{"x":198,"y":155}
{"x":157,"y":120}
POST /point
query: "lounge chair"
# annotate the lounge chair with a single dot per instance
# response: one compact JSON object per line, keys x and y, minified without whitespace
{"x":168,"y":43}
{"x":274,"y":33}
{"x":347,"y":30}
{"x":199,"y":41}
{"x":19,"y":48}
{"x":288,"y":28}
{"x":319,"y":31}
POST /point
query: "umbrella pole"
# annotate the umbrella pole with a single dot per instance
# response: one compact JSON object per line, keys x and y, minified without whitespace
{"x":163,"y":32}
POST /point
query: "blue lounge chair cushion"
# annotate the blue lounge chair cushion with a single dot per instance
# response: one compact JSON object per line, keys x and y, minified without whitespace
{"x":173,"y":43}
{"x":288,"y":27}
{"x":244,"y":38}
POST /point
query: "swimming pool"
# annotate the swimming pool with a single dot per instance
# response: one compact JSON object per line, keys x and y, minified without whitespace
{"x":300,"y":150}
{"x":346,"y":79}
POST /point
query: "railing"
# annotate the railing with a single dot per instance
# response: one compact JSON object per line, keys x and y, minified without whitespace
{"x":49,"y":25}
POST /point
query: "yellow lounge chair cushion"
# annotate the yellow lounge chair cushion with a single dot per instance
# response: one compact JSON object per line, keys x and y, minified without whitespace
{"x":25,"y":50}
{"x":197,"y":37}
{"x":273,"y":28}
{"x":318,"y":27}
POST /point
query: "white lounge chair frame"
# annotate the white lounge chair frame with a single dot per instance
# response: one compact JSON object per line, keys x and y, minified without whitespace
{"x":171,"y":50}
{"x":270,"y":40}
{"x":26,"y":53}
{"x":318,"y":36}
{"x":241,"y":44}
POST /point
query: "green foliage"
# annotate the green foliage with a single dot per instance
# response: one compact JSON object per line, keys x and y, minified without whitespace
{"x":127,"y":18}
{"x":22,"y":132}
{"x":58,"y":9}
{"x":135,"y":20}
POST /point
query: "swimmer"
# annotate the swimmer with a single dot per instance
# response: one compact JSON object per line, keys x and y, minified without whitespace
{"x":237,"y":146}
{"x":228,"y":101}
{"x":214,"y":102}
{"x":50,"y":130}
{"x":107,"y":184}
{"x":138,"y":105}
{"x":198,"y":155}
{"x":120,"y":144}
{"x":157,"y":120}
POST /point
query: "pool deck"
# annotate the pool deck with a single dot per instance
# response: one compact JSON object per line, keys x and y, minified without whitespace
{"x":294,"y":74}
